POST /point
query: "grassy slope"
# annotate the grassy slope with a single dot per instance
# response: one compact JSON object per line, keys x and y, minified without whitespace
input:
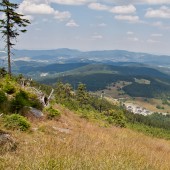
{"x":88,"y":146}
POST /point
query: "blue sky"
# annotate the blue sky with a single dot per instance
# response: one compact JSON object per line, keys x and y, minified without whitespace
{"x":134,"y":25}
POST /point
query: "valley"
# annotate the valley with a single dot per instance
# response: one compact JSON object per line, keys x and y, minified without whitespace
{"x":138,"y":78}
{"x":115,"y":92}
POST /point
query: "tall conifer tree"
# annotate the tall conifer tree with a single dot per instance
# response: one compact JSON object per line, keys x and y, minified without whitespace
{"x":11,"y":25}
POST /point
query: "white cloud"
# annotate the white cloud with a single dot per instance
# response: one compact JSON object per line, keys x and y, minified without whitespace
{"x":157,"y":1}
{"x":97,"y":36}
{"x":72,"y":23}
{"x":27,"y":7}
{"x":161,"y":25}
{"x":123,"y":9}
{"x":102,"y":25}
{"x":61,"y":16}
{"x":98,"y":6}
{"x":41,"y":7}
{"x":163,"y":12}
{"x":152,"y":41}
{"x":132,"y":36}
{"x":126,"y":9}
{"x":129,"y":18}
{"x":135,"y":39}
{"x":71,"y":2}
{"x":157,"y":24}
{"x":151,"y":2}
{"x":130,"y":33}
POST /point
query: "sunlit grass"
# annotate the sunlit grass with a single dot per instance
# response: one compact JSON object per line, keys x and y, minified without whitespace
{"x":86,"y":147}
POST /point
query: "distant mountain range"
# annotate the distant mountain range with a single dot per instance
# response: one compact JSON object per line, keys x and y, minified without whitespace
{"x":65,"y":55}
{"x":97,"y":69}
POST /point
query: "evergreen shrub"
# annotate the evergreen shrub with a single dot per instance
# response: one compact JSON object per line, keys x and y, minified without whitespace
{"x":16,"y":122}
{"x":53,"y":113}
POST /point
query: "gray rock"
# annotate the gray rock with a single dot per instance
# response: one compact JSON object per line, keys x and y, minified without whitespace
{"x":4,"y":138}
{"x":7,"y":143}
{"x":35,"y":129}
{"x":62,"y":130}
{"x":37,"y":113}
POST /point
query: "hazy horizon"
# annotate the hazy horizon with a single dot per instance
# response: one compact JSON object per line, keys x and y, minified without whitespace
{"x":88,"y":25}
{"x":152,"y":53}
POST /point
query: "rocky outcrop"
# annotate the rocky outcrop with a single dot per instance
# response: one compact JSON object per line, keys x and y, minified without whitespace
{"x":35,"y":112}
{"x":7,"y":142}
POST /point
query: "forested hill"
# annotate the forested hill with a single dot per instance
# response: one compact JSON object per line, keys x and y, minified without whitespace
{"x":120,"y":69}
{"x":99,"y":76}
{"x":51,"y":68}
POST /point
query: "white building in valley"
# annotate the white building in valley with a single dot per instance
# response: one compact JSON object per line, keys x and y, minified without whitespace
{"x":137,"y":109}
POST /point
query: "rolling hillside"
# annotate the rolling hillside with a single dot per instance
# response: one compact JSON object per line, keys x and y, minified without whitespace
{"x":99,"y":76}
{"x":106,"y":56}
{"x":97,"y":69}
{"x":51,"y":68}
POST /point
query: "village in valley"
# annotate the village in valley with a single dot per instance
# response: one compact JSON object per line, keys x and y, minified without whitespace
{"x":115,"y":94}
{"x":137,"y":109}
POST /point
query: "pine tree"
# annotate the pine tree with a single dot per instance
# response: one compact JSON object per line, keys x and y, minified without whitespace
{"x":10,"y":27}
{"x":63,"y":91}
{"x":82,"y":94}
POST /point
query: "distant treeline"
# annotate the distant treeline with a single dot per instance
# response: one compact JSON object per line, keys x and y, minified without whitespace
{"x":100,"y":81}
{"x":155,"y":120}
{"x":155,"y":89}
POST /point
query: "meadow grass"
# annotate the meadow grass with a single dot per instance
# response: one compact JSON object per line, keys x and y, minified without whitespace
{"x":87,"y":147}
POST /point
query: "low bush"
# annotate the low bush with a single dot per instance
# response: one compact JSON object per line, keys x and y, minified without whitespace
{"x":9,"y":88}
{"x":3,"y":97}
{"x":70,"y":104}
{"x":35,"y":103}
{"x":116,"y":117}
{"x":4,"y":104}
{"x":22,"y":99}
{"x":16,"y":122}
{"x":53,"y":113}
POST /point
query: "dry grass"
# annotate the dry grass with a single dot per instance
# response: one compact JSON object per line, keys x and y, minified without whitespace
{"x":151,"y":104}
{"x":86,"y":147}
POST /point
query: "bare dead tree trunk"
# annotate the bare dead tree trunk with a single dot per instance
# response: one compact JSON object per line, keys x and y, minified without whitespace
{"x":50,"y":94}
